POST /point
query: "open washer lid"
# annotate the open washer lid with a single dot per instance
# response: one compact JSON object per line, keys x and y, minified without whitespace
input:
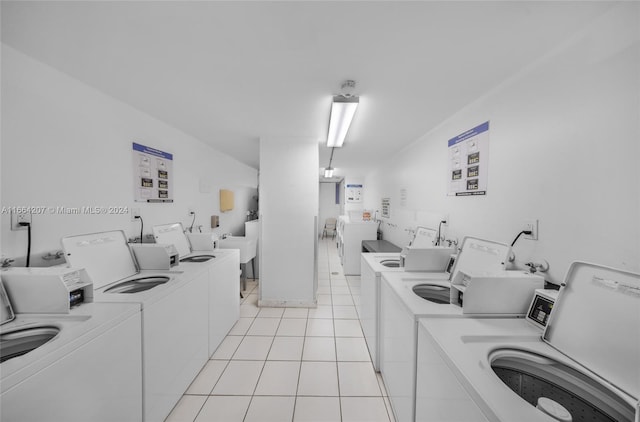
{"x":106,"y":256}
{"x":6,"y":311}
{"x":173,"y":233}
{"x":481,"y":255}
{"x":596,"y":322}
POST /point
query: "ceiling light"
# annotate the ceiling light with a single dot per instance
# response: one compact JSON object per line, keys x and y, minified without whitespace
{"x":343,"y":108}
{"x":328,"y":172}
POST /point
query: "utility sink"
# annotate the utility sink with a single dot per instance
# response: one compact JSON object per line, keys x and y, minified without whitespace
{"x":138,"y":284}
{"x":535,"y":377}
{"x":432,"y":293}
{"x":21,"y":341}
{"x":247,"y":247}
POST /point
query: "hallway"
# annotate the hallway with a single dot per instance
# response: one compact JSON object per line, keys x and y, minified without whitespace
{"x":292,"y":364}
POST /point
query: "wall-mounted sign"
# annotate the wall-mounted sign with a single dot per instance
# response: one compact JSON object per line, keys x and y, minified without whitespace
{"x":386,"y":207}
{"x":353,"y":193}
{"x":469,"y":162}
{"x":152,"y":174}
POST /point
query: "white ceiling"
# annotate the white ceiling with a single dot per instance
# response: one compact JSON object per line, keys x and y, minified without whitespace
{"x":228,"y":73}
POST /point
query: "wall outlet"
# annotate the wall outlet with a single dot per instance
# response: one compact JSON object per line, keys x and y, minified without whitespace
{"x":135,"y":212}
{"x":20,"y":217}
{"x":531,"y":225}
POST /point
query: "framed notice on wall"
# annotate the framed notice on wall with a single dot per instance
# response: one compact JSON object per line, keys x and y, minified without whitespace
{"x":469,"y":162}
{"x":353,"y":193}
{"x":152,"y":174}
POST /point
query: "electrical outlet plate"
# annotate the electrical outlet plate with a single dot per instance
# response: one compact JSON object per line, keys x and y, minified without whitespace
{"x":135,"y":212}
{"x":20,"y":217}
{"x":531,"y":225}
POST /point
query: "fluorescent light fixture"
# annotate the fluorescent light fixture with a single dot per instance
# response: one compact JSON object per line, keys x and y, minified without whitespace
{"x":342,"y":111}
{"x":328,"y":172}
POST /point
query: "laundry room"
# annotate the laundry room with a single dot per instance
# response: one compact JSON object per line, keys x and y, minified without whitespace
{"x":174,"y":206}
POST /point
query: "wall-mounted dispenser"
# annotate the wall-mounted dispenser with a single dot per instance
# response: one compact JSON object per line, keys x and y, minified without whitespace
{"x":215,"y":221}
{"x":226,"y":200}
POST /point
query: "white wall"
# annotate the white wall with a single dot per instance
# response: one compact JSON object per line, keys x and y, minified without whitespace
{"x":564,"y":148}
{"x":328,"y":206}
{"x":67,"y":144}
{"x":289,"y":196}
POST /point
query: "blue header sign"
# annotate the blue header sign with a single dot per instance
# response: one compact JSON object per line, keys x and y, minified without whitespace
{"x":152,"y":174}
{"x":469,"y":162}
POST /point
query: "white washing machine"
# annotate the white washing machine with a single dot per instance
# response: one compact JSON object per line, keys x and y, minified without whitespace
{"x":175,"y":314}
{"x":224,"y":294}
{"x":224,"y":286}
{"x":173,"y":234}
{"x":371,"y":267}
{"x":585,"y":366}
{"x":401,"y":307}
{"x":82,"y":366}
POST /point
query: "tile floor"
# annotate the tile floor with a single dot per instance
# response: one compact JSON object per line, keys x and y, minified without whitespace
{"x":292,"y":364}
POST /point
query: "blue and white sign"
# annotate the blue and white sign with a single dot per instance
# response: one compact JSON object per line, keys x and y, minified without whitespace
{"x":469,"y":162}
{"x":152,"y":174}
{"x":353,"y":193}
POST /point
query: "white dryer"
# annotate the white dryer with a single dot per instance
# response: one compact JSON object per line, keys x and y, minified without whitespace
{"x":81,"y":366}
{"x":401,"y":306}
{"x":175,"y":313}
{"x":584,"y":366}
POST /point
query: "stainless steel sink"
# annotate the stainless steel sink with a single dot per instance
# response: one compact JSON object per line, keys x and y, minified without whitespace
{"x":21,"y":341}
{"x":432,"y":292}
{"x":532,"y":377}
{"x":138,"y":284}
{"x":197,"y":258}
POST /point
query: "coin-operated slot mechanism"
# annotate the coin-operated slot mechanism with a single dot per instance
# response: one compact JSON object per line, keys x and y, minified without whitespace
{"x":499,"y":293}
{"x":48,"y":290}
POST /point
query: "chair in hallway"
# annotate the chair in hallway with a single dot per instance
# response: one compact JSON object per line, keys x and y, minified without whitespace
{"x":329,"y":228}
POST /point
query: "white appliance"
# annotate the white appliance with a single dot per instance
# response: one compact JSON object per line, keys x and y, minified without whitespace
{"x":155,"y":256}
{"x":175,"y":313}
{"x":81,"y":365}
{"x":221,"y":268}
{"x":173,"y":234}
{"x":407,"y":296}
{"x":504,"y":292}
{"x":224,"y":294}
{"x":51,"y":290}
{"x":350,"y":237}
{"x":422,"y":254}
{"x":586,"y":362}
{"x":371,"y":267}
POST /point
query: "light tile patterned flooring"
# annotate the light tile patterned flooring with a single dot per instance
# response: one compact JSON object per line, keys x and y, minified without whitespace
{"x":292,"y":364}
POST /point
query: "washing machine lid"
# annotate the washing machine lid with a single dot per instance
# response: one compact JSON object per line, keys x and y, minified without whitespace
{"x":423,"y":238}
{"x":106,"y":256}
{"x":596,"y":322}
{"x":173,"y":233}
{"x":6,"y":311}
{"x":481,"y":255}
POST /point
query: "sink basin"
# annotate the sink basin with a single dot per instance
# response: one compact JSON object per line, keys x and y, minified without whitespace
{"x":138,"y":284}
{"x":532,"y":376}
{"x":433,"y":293}
{"x":21,"y":341}
{"x":197,"y":258}
{"x":391,"y":263}
{"x":247,"y":247}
